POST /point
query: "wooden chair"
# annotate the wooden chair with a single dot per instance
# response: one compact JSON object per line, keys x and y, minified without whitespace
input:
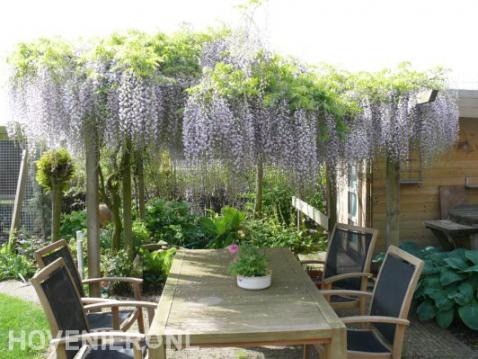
{"x":347,"y":263}
{"x":96,"y":320}
{"x":69,"y":325}
{"x":389,"y":306}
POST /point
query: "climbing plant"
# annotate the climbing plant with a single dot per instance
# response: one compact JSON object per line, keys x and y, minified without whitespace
{"x":254,"y":108}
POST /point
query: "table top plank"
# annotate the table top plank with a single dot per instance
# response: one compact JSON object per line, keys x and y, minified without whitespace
{"x":201,"y":300}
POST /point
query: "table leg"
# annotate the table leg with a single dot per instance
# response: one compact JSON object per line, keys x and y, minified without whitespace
{"x":157,"y":351}
{"x":337,"y":348}
{"x":306,"y":351}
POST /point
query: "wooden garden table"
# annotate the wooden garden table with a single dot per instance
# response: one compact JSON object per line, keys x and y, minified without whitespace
{"x":201,"y":302}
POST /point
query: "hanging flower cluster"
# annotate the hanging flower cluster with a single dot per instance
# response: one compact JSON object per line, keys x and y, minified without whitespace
{"x":398,"y":125}
{"x":252,"y":106}
{"x":122,"y":84}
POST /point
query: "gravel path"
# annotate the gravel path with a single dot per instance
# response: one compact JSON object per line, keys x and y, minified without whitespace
{"x":423,"y":340}
{"x":19,"y":289}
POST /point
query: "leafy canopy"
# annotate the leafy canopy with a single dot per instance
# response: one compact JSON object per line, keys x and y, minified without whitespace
{"x":54,"y":169}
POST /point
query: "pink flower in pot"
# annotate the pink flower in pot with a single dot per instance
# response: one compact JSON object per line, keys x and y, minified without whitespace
{"x":233,"y":248}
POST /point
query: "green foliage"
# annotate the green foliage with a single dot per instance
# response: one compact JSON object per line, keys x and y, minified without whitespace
{"x":381,"y":84}
{"x":250,"y":262}
{"x":14,"y":266}
{"x":448,"y":287}
{"x":224,"y":229}
{"x":273,"y":79}
{"x":18,"y":316}
{"x":267,"y":233}
{"x":118,"y":264}
{"x":156,"y":265}
{"x":141,"y":233}
{"x":156,"y":56}
{"x":172,"y":222}
{"x":28,"y":58}
{"x":72,"y":222}
{"x":54,"y":169}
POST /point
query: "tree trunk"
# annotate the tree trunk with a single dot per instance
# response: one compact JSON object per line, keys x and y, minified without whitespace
{"x":331,"y":199}
{"x":259,"y":187}
{"x":56,"y":199}
{"x":92,"y":203}
{"x":392,"y":187}
{"x":118,"y":227}
{"x":127,"y":217}
{"x":141,"y":192}
{"x":110,"y":192}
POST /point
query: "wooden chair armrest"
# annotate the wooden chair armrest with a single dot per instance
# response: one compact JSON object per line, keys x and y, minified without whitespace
{"x":131,"y":280}
{"x":92,"y":300}
{"x":121,"y":303}
{"x":338,"y":277}
{"x":345,"y":292}
{"x":312,"y":261}
{"x":115,"y":304}
{"x":375,"y":319}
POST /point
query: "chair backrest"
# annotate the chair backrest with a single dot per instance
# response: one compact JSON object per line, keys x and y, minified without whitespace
{"x":350,"y":249}
{"x":60,"y":249}
{"x":393,"y":292}
{"x":61,"y":302}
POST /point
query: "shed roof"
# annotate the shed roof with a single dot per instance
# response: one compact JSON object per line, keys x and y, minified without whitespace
{"x":467,"y":103}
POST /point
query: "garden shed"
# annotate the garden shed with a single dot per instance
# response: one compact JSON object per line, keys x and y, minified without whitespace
{"x":361,"y":201}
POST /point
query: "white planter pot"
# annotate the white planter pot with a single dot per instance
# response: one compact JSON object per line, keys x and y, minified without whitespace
{"x":254,"y":283}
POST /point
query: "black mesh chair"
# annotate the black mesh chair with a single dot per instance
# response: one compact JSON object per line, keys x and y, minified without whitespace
{"x":96,"y":320}
{"x":389,"y":306}
{"x":69,"y":326}
{"x":347,"y":263}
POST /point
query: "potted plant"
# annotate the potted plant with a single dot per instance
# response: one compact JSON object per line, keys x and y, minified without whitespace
{"x":250,"y":267}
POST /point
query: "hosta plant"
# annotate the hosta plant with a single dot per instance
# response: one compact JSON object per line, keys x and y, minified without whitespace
{"x":448,"y":288}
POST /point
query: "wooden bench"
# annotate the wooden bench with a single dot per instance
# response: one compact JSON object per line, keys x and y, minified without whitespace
{"x":449,"y":233}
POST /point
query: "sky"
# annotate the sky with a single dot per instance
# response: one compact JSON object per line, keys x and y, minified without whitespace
{"x":352,"y":34}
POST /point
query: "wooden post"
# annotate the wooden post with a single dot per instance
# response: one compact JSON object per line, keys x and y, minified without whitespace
{"x":141,"y":191}
{"x":331,"y":198}
{"x":392,"y":188}
{"x":127,"y":202}
{"x":259,"y":186}
{"x":19,"y":195}
{"x":92,"y":203}
{"x":56,"y":199}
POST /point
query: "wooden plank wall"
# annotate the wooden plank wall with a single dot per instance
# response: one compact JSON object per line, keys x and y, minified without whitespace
{"x":419,"y":202}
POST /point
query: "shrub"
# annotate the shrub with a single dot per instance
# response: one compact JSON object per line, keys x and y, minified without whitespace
{"x":172,"y":222}
{"x":72,"y":222}
{"x":117,"y":265}
{"x":268,"y":233}
{"x":54,"y":170}
{"x":14,"y":266}
{"x":141,"y":234}
{"x":156,"y":266}
{"x":225,"y":228}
